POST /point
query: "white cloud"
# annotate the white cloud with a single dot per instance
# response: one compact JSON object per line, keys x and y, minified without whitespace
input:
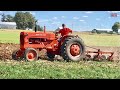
{"x":75,"y":18}
{"x":33,"y":13}
{"x":56,"y":23}
{"x":97,"y":19}
{"x":89,"y":12}
{"x":55,"y":18}
{"x":0,"y":11}
{"x":118,"y":15}
{"x":82,"y":20}
{"x":44,"y":20}
{"x":63,"y":17}
{"x":85,"y":16}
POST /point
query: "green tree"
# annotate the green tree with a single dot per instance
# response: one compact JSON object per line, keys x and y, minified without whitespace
{"x":3,"y":19}
{"x":116,"y":26}
{"x":19,"y":19}
{"x":39,"y":28}
{"x":9,"y":18}
{"x":29,"y":19}
{"x":24,"y":20}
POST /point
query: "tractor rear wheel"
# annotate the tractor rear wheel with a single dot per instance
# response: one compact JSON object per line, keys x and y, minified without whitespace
{"x":30,"y":54}
{"x":73,"y":49}
{"x":50,"y":56}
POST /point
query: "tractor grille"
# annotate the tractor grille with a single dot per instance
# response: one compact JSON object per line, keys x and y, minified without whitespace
{"x":21,"y":40}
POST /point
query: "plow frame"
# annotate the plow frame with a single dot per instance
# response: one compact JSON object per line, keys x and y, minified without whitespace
{"x":99,"y":53}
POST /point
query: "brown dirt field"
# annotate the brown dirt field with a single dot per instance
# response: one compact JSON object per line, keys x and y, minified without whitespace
{"x":7,"y":49}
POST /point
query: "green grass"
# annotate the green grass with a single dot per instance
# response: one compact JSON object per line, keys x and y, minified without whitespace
{"x":100,"y":39}
{"x":59,"y":70}
{"x":9,"y":37}
{"x":12,"y":36}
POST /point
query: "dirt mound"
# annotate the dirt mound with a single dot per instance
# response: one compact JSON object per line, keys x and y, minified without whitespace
{"x":7,"y":49}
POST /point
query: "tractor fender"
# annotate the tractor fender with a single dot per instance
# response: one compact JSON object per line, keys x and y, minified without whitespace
{"x":67,"y":36}
{"x":70,"y":36}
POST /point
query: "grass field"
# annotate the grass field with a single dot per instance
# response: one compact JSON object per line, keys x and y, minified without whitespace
{"x":59,"y":70}
{"x":43,"y":69}
{"x":100,"y":39}
{"x":12,"y":36}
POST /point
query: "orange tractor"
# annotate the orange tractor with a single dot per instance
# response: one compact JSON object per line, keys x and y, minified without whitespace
{"x":70,"y":47}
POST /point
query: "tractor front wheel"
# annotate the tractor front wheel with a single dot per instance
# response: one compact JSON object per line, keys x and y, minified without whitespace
{"x":30,"y":54}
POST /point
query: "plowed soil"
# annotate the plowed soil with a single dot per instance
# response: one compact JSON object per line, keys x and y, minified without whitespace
{"x":7,"y":49}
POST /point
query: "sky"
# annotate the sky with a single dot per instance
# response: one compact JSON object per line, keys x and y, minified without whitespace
{"x":76,"y":20}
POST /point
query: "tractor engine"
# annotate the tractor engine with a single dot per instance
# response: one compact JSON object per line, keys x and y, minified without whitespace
{"x":36,"y":40}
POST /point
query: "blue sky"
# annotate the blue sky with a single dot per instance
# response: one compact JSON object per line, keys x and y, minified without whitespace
{"x":76,"y":20}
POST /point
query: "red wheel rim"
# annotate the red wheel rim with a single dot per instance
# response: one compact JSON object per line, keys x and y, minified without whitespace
{"x":31,"y":55}
{"x":75,"y":49}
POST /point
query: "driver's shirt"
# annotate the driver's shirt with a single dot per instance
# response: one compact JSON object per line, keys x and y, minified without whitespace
{"x":65,"y":31}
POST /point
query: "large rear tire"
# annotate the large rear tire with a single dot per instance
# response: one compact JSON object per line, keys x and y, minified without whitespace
{"x":30,"y":54}
{"x":73,"y":49}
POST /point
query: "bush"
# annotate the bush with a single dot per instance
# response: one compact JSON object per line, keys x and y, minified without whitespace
{"x":98,"y":32}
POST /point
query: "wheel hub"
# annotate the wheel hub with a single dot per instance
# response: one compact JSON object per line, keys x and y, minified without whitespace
{"x":75,"y":50}
{"x":31,"y":55}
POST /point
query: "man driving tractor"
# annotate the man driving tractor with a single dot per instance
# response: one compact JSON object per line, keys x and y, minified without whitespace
{"x":64,"y":31}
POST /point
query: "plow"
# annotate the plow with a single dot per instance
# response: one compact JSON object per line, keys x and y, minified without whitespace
{"x":98,"y":55}
{"x":69,"y":47}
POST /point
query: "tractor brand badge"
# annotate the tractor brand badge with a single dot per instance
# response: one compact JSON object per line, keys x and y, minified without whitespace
{"x":40,"y":35}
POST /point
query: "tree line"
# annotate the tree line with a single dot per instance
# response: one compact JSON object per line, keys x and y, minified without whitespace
{"x":116,"y":27}
{"x":23,"y":20}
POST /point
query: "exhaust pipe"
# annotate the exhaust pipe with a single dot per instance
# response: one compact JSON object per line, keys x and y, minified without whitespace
{"x":44,"y":29}
{"x":35,"y":26}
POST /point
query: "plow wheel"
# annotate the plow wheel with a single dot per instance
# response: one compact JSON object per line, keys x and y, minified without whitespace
{"x":99,"y":58}
{"x":110,"y":58}
{"x":87,"y":57}
{"x":72,"y":49}
{"x":96,"y":58}
{"x":17,"y":55}
{"x":103,"y":58}
{"x":30,"y":54}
